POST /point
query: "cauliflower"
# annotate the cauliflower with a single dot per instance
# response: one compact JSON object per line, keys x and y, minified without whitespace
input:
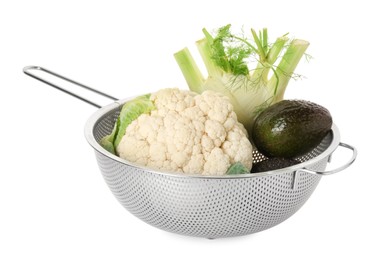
{"x":187,"y":133}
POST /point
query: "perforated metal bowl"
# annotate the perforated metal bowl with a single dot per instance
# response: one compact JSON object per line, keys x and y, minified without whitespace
{"x":208,"y":206}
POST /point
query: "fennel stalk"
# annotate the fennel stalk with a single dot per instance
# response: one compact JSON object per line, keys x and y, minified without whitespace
{"x":227,"y":58}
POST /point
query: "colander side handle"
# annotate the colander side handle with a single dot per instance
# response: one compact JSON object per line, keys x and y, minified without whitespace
{"x":27,"y":70}
{"x":340,"y":168}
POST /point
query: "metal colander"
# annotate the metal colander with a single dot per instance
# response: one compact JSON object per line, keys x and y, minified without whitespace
{"x":207,"y":206}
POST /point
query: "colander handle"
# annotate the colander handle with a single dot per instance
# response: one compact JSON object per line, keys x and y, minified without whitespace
{"x":338,"y":169}
{"x":27,"y":70}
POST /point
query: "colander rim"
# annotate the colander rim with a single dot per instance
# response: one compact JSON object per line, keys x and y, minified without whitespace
{"x":96,"y":116}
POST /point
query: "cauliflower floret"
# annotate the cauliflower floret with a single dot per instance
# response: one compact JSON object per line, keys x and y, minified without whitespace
{"x":188,"y":133}
{"x":217,"y":162}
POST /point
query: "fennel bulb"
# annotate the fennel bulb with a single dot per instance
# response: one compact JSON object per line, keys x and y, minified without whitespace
{"x":228,"y":58}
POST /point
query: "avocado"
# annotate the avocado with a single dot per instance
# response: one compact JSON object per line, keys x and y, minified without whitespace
{"x":290,"y":128}
{"x":273,"y":164}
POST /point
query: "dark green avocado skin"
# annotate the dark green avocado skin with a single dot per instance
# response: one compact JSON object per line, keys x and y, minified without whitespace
{"x":273,"y":164}
{"x":290,"y":128}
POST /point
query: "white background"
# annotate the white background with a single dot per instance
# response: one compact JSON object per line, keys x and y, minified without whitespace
{"x":54,"y":203}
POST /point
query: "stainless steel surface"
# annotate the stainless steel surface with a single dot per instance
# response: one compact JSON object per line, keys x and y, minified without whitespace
{"x":206,"y":206}
{"x":28,"y":71}
{"x":340,"y":168}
